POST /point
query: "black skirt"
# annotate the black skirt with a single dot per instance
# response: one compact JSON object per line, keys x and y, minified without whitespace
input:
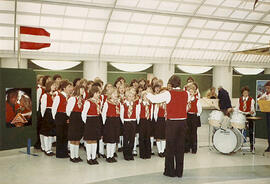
{"x":153,"y":124}
{"x":160,"y":127}
{"x":48,"y":124}
{"x":193,"y":118}
{"x":112,"y":130}
{"x":76,"y":127}
{"x":92,"y":129}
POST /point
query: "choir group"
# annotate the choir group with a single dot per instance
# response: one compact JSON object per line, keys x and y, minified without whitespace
{"x":124,"y":116}
{"x":119,"y":115}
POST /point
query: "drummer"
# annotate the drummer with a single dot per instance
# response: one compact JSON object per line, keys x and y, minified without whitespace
{"x":266,"y":96}
{"x":224,"y":101}
{"x":246,"y":106}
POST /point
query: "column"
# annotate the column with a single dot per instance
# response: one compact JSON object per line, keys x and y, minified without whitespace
{"x":93,"y":69}
{"x":222,"y":76}
{"x":267,"y":71}
{"x":12,"y":63}
{"x":163,"y":71}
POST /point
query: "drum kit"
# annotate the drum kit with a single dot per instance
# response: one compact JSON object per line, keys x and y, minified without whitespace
{"x":227,"y":134}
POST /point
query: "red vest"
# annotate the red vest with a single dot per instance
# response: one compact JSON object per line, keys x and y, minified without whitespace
{"x":241,"y":106}
{"x":177,"y":108}
{"x":93,"y":109}
{"x":161,"y":112}
{"x":143,"y":114}
{"x":193,"y":107}
{"x":133,"y":115}
{"x":62,"y":104}
{"x":49,"y":100}
{"x":76,"y":107}
{"x":111,"y":112}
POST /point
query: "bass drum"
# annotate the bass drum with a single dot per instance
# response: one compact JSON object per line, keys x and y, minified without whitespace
{"x":227,"y":141}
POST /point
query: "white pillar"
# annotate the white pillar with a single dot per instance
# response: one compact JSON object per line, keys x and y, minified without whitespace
{"x":93,"y":69}
{"x":222,"y":76}
{"x":163,"y":71}
{"x":267,"y":71}
{"x":12,"y":63}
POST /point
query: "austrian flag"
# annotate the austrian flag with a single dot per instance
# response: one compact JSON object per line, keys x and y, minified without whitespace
{"x":34,"y":38}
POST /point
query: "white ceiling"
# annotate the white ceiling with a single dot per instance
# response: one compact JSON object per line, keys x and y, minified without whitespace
{"x":180,"y":31}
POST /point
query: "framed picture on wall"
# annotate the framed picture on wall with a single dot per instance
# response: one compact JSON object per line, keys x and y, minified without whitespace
{"x":18,"y":107}
{"x":259,"y":91}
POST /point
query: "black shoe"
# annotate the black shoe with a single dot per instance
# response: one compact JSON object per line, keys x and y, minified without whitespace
{"x":120,"y":149}
{"x":90,"y":162}
{"x":101,"y":155}
{"x":187,"y":150}
{"x":109,"y":160}
{"x":49,"y":154}
{"x":74,"y":160}
{"x":152,"y":153}
{"x":95,"y":161}
{"x":194,"y":151}
{"x":37,"y":145}
{"x":115,"y":155}
{"x":163,"y":154}
{"x":160,"y":155}
{"x":169,"y":175}
{"x":79,"y":159}
{"x":131,"y":158}
{"x":113,"y":159}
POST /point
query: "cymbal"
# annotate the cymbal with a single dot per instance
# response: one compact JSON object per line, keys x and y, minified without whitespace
{"x":254,"y":118}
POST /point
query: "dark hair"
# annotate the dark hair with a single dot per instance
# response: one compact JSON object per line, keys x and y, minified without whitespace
{"x":117,"y":80}
{"x":190,"y":78}
{"x":48,"y":86}
{"x":76,"y":91}
{"x":133,"y":81}
{"x":267,"y":84}
{"x":64,"y":84}
{"x":96,"y":84}
{"x":75,"y":81}
{"x":11,"y":92}
{"x":155,"y":78}
{"x":45,"y":79}
{"x":93,"y":90}
{"x":156,"y":86}
{"x":174,"y":81}
{"x":245,"y":88}
{"x":57,"y":76}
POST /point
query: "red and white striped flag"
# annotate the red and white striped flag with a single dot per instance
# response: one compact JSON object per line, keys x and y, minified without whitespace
{"x":34,"y":38}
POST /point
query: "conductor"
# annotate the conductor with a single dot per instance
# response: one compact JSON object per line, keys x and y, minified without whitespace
{"x":176,"y":104}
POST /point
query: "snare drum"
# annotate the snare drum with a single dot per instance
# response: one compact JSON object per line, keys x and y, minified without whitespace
{"x":227,"y":141}
{"x":215,"y":118}
{"x":238,"y":120}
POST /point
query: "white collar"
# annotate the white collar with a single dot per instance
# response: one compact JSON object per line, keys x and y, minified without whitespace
{"x":245,"y":98}
{"x":128,"y":103}
{"x":176,"y":88}
{"x":63,"y":93}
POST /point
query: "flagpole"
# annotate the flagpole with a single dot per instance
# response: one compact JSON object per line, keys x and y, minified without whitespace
{"x":19,"y":47}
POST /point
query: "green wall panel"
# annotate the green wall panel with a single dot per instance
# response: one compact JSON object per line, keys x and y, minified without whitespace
{"x":70,"y":75}
{"x":16,"y":137}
